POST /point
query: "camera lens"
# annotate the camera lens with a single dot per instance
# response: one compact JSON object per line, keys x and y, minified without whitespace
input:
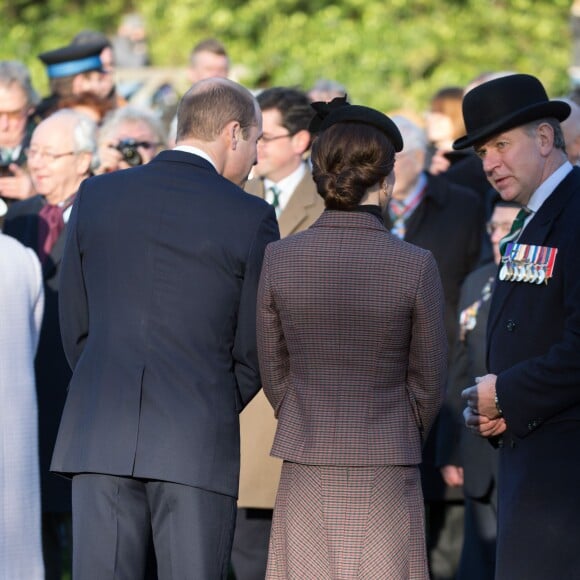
{"x":128,"y":149}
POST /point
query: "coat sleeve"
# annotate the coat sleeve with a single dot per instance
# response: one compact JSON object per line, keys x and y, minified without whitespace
{"x":245,"y":355}
{"x":428,"y":348}
{"x":272,"y":349}
{"x":72,"y":299}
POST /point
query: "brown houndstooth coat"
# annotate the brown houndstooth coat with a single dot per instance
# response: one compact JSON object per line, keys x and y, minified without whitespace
{"x":352,"y":352}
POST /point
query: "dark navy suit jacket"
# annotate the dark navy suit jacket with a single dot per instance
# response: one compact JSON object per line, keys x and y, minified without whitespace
{"x":534,"y":348}
{"x":158,"y":308}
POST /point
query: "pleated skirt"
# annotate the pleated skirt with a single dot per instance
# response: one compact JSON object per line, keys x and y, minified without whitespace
{"x":339,"y":523}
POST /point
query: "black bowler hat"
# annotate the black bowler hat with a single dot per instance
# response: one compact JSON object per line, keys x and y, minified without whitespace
{"x":506,"y":103}
{"x":339,"y":111}
{"x":73,"y":59}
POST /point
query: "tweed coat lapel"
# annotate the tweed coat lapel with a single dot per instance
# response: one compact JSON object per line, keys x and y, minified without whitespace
{"x":536,"y":232}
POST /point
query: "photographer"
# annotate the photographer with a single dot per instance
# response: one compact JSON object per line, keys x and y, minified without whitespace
{"x":127,"y":138}
{"x":17,"y":102}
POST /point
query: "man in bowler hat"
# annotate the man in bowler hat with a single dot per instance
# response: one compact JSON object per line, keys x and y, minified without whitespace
{"x":158,"y":317}
{"x":529,"y":403}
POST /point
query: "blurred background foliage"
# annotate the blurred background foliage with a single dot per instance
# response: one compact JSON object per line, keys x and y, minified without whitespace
{"x":390,"y":54}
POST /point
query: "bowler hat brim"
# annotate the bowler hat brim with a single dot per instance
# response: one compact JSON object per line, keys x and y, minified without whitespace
{"x":556,"y":109}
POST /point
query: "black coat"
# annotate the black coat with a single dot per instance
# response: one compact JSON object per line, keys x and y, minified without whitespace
{"x":534,"y":349}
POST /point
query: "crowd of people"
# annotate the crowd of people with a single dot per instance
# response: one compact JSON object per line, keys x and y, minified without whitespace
{"x":158,"y":272}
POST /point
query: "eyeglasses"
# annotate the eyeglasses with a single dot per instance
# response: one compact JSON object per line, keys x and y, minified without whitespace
{"x":14,"y":115}
{"x":265,"y":139}
{"x":504,"y":227}
{"x":32,"y":153}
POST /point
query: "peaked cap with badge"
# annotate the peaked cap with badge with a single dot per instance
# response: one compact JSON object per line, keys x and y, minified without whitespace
{"x":73,"y":59}
{"x":506,"y":103}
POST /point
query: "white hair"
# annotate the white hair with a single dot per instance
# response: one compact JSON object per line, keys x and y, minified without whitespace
{"x":414,"y":137}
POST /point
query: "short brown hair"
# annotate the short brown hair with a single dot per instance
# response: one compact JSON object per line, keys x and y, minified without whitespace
{"x":208,"y":45}
{"x":210,"y":105}
{"x":347,"y":159}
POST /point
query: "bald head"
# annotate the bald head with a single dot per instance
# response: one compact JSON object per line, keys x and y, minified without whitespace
{"x":571,"y":130}
{"x":210,"y":104}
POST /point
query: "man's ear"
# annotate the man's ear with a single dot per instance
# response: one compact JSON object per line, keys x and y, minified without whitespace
{"x":234,"y":134}
{"x":545,"y":134}
{"x":301,"y":141}
{"x":84,"y":159}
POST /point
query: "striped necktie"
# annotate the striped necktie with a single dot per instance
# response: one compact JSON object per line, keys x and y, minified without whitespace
{"x":516,"y":229}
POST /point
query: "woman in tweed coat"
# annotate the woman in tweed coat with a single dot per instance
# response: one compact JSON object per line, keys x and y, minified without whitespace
{"x":352,"y":353}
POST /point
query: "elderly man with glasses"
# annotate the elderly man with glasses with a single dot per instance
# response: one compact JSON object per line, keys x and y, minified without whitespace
{"x":60,"y":157}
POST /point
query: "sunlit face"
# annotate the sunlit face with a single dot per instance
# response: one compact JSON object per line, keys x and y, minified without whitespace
{"x":240,"y":160}
{"x":206,"y":65}
{"x":408,"y":168}
{"x":439,"y":128}
{"x":499,"y":226}
{"x":279,"y":152}
{"x":55,"y":168}
{"x":513,"y":163}
{"x":14,"y":111}
{"x":96,"y":82}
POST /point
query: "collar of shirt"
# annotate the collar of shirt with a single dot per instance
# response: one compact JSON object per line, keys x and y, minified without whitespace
{"x":287,"y":186}
{"x":195,"y":151}
{"x":11,"y":154}
{"x":546,"y":188}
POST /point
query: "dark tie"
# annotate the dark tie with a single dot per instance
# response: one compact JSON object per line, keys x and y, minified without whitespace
{"x":515,"y":230}
{"x":276,"y":191}
{"x":50,"y":226}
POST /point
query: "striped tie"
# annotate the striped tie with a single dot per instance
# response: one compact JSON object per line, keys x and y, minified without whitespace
{"x":515,"y":230}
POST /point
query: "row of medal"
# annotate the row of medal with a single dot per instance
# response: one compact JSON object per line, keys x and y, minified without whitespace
{"x":527,"y":263}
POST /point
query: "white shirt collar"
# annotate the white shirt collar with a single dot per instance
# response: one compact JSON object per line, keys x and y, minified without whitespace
{"x":546,"y":189}
{"x":287,"y":186}
{"x":195,"y":151}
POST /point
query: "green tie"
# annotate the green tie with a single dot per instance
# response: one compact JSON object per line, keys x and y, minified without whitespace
{"x":276,"y":191}
{"x":515,"y":230}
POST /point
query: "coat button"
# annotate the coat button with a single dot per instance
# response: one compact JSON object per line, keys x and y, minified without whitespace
{"x":511,"y":325}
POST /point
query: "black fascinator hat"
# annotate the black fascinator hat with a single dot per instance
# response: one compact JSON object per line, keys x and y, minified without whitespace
{"x":340,"y":111}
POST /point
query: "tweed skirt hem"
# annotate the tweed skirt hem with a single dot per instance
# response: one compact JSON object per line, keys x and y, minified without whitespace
{"x":339,"y":523}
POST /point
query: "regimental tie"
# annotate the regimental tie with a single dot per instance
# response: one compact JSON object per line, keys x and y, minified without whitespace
{"x":401,"y":211}
{"x":516,"y":229}
{"x":276,"y":192}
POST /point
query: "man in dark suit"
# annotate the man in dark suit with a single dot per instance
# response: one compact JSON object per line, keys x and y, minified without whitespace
{"x":158,"y":305}
{"x":448,"y":220}
{"x":458,"y":448}
{"x":61,"y":152}
{"x":530,"y":402}
{"x":286,"y":115}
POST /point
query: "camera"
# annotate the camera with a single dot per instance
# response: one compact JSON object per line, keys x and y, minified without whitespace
{"x":128,"y":149}
{"x":5,"y":169}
